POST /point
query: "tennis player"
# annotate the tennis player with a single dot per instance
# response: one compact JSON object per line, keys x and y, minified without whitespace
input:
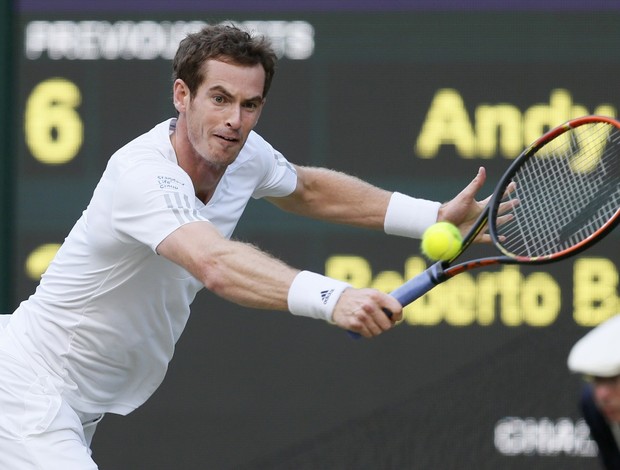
{"x":97,"y":335}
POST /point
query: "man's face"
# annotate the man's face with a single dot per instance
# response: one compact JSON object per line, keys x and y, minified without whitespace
{"x":607,"y":396}
{"x":225,"y":108}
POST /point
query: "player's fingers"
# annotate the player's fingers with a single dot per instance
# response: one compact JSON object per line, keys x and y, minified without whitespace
{"x":356,"y":324}
{"x":395,"y":308}
{"x":502,"y":219}
{"x":485,"y":201}
{"x":510,"y":188}
{"x":475,"y":185}
{"x":376,"y":321}
{"x":362,"y":311}
{"x":365,"y":325}
{"x":507,"y":206}
{"x":479,"y":179}
{"x":483,"y":237}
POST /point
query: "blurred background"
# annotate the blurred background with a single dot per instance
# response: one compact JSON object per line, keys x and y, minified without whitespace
{"x":413,"y":96}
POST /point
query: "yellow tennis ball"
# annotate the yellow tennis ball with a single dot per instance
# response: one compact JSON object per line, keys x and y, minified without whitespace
{"x":441,"y":241}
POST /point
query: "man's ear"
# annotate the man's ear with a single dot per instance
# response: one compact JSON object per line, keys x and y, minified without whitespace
{"x":180,"y":95}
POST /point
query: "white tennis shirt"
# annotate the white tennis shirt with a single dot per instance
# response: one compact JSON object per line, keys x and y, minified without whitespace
{"x":106,"y":316}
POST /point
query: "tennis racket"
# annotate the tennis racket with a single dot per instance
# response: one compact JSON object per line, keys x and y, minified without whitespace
{"x":564,"y":194}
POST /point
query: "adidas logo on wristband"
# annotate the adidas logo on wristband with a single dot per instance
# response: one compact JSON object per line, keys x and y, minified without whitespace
{"x":314,"y":295}
{"x":325,"y":295}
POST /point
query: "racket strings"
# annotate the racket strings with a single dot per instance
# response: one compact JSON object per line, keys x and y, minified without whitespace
{"x":566,"y":190}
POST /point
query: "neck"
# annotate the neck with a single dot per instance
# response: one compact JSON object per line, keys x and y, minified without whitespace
{"x":205,"y":175}
{"x":205,"y":178}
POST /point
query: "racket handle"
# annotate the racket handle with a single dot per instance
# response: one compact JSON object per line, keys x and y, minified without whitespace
{"x":416,"y":287}
{"x":413,"y":289}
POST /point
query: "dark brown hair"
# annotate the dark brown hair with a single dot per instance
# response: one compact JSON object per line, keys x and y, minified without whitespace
{"x":224,"y":42}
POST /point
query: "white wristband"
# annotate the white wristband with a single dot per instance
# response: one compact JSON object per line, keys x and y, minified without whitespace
{"x":409,"y":217}
{"x":315,"y":296}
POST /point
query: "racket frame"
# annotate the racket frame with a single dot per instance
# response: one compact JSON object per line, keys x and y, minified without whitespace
{"x":441,"y":271}
{"x":512,"y":170}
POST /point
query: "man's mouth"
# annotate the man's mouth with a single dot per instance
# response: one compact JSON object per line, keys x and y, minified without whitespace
{"x":232,"y":139}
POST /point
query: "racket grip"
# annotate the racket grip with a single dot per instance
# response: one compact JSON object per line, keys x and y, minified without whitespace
{"x":413,"y":289}
{"x":416,"y":287}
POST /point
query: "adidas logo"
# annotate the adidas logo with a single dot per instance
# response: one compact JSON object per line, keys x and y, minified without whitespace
{"x":325,"y":295}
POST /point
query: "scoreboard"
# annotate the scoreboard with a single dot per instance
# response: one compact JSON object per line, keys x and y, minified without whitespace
{"x":412,"y":96}
{"x":391,"y":97}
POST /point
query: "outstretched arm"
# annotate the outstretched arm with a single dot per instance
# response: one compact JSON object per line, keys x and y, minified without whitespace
{"x":247,"y":276}
{"x":337,"y":197}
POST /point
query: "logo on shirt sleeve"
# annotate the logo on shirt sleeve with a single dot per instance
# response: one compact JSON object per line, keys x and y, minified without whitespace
{"x":168,"y":182}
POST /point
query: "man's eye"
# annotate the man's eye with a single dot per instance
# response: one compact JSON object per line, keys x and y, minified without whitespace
{"x":218,"y":99}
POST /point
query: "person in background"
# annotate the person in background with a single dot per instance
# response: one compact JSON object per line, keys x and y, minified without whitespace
{"x":597,"y":357}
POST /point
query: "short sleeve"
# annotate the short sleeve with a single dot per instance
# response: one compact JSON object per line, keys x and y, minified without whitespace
{"x":280,"y":176}
{"x":151,"y":201}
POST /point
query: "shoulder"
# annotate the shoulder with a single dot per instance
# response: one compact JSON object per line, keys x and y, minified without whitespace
{"x":152,"y":149}
{"x":256,"y":149}
{"x":154,"y":144}
{"x":146,"y":162}
{"x":261,"y":155}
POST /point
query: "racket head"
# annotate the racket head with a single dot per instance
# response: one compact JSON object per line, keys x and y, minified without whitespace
{"x":567,"y":192}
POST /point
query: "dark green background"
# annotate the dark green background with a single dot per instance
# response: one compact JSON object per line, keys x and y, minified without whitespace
{"x":7,"y":76}
{"x":267,"y":390}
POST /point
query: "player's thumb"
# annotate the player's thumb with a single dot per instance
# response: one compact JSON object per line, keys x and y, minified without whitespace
{"x":476,"y":184}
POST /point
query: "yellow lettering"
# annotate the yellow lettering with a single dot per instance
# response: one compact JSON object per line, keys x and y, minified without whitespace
{"x":604,"y":110}
{"x":460,"y":300}
{"x":429,"y":309}
{"x":505,"y":295}
{"x":352,"y":269}
{"x":53,"y":128}
{"x":507,"y":285}
{"x":595,"y":297}
{"x":501,"y":122}
{"x":446,"y":123}
{"x":39,"y":259}
{"x":541,"y":117}
{"x":500,"y":129}
{"x":387,"y":281}
{"x":541,"y":299}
